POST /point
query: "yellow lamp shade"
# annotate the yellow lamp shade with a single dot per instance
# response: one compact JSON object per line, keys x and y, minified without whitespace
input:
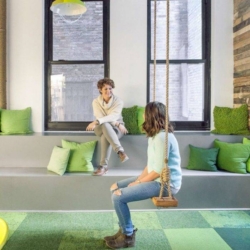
{"x":68,"y":7}
{"x":4,"y":231}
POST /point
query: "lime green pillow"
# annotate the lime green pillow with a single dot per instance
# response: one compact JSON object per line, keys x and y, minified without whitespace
{"x":130,"y":119}
{"x":202,"y":158}
{"x":59,"y":160}
{"x":140,"y":118}
{"x":16,"y":121}
{"x":232,"y":157}
{"x":247,"y":142}
{"x":231,"y":120}
{"x":81,"y":155}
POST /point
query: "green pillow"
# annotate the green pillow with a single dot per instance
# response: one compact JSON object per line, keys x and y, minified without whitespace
{"x":231,"y":120}
{"x":15,"y":121}
{"x":140,"y":118}
{"x":81,"y":155}
{"x":130,"y":119}
{"x":232,"y":157}
{"x":59,"y":160}
{"x":202,"y":158}
{"x":247,"y":142}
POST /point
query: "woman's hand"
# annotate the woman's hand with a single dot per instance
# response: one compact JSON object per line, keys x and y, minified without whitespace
{"x":133,"y":183}
{"x":122,"y":129}
{"x":91,"y":126}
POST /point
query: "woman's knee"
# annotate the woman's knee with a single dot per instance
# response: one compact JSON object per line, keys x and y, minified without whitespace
{"x":113,"y":187}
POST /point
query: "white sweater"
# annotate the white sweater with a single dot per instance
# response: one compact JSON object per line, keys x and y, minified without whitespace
{"x":108,"y":112}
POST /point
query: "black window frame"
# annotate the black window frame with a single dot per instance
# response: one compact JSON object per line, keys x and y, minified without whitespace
{"x":48,"y":62}
{"x":206,"y":59}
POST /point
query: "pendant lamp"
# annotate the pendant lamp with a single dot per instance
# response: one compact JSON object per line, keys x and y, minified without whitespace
{"x":68,"y":7}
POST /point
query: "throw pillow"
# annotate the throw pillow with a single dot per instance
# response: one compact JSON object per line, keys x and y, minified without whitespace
{"x":202,"y":158}
{"x":130,"y":119}
{"x":59,"y":160}
{"x":231,"y":120}
{"x":247,"y":142}
{"x":81,"y":155}
{"x":16,"y":121}
{"x":232,"y":157}
{"x":140,"y":118}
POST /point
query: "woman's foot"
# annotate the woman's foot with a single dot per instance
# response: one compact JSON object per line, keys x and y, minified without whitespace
{"x":122,"y":241}
{"x":101,"y":170}
{"x":123,"y":157}
{"x":113,"y":237}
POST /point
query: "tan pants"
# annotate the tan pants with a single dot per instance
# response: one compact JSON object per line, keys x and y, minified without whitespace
{"x":109,"y":139}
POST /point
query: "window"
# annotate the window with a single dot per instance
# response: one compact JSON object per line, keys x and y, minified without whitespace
{"x":189,"y":61}
{"x":76,"y":57}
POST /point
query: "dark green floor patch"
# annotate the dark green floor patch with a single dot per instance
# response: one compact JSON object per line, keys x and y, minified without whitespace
{"x":29,"y":240}
{"x":237,"y":238}
{"x":185,"y":219}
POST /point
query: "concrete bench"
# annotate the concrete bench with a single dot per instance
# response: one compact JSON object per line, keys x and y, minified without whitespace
{"x":25,"y":183}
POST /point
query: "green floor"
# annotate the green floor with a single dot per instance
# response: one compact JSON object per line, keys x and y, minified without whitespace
{"x":163,"y":229}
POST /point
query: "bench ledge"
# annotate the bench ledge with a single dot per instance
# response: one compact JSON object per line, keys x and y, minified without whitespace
{"x":37,"y":171}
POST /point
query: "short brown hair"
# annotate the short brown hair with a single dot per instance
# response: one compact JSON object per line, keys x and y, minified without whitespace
{"x":104,"y":81}
{"x":155,"y":113}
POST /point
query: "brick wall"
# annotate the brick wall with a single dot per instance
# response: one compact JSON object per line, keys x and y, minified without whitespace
{"x":241,"y":53}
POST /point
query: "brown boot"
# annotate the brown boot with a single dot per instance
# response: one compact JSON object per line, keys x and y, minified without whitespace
{"x":101,"y":170}
{"x":122,"y":241}
{"x":113,"y":237}
{"x":123,"y":157}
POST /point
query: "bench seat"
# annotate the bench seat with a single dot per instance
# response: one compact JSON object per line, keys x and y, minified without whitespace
{"x":26,"y":185}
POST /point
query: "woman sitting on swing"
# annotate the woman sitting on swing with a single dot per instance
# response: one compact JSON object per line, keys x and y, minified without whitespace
{"x":148,"y":184}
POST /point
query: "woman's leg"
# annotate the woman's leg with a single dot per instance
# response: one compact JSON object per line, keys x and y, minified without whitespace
{"x":109,"y":137}
{"x":112,"y":135}
{"x":124,"y":195}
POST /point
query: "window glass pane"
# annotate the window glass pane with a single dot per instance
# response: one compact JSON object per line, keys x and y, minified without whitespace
{"x":80,"y":40}
{"x":185,"y":38}
{"x":186,"y":91}
{"x":73,"y":88}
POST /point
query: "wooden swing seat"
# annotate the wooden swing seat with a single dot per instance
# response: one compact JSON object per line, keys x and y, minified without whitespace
{"x":165,"y":201}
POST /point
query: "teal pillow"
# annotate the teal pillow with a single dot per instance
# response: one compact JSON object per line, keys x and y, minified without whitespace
{"x":140,"y":118}
{"x":59,"y":160}
{"x":130,"y":119}
{"x":202,"y":158}
{"x":232,"y":157}
{"x":81,"y":155}
{"x":247,"y":142}
{"x":232,"y":121}
{"x":16,"y":121}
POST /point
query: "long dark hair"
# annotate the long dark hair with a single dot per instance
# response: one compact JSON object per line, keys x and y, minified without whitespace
{"x":155,"y":113}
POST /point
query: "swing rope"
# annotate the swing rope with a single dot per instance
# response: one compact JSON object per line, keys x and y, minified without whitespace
{"x":165,"y":174}
{"x":161,"y":201}
{"x":155,"y":26}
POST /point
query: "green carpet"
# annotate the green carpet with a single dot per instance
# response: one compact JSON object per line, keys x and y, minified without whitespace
{"x":157,"y":230}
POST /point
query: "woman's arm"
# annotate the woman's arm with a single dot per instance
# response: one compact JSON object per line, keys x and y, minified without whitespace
{"x":145,"y":177}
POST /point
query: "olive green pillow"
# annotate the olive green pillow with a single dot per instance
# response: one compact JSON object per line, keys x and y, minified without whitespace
{"x":16,"y":121}
{"x":232,"y":157}
{"x":130,"y":119}
{"x":81,"y":155}
{"x":247,"y":142}
{"x":140,"y":118}
{"x":231,"y":120}
{"x":202,"y":158}
{"x":59,"y":160}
